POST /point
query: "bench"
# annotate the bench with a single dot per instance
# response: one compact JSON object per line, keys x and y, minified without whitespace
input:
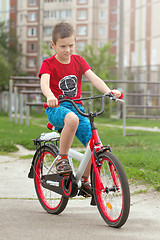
{"x":28,"y":105}
{"x":16,"y":80}
{"x":21,"y":88}
{"x":22,"y":93}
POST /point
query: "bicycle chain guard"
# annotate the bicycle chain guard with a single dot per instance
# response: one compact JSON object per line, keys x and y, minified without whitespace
{"x":63,"y":185}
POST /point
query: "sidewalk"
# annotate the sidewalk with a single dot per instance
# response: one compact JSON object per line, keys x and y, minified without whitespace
{"x":149,"y":129}
{"x":22,"y":216}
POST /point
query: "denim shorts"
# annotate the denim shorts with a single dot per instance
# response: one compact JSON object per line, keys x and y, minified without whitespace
{"x":56,"y":117}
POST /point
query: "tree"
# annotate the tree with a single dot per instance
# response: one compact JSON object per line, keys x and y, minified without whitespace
{"x":101,"y":60}
{"x":46,"y":50}
{"x":9,"y":53}
{"x":103,"y":63}
{"x":5,"y":69}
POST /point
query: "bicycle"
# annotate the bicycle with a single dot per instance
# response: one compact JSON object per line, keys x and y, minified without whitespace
{"x":109,"y":183}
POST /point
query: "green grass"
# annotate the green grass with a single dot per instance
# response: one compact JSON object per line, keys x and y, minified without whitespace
{"x":131,"y":122}
{"x":11,"y":134}
{"x":29,"y":156}
{"x":139,"y":154}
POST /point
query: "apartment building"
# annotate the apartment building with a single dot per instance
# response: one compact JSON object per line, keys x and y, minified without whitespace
{"x":95,"y":21}
{"x":142,"y":33}
{"x":36,"y":18}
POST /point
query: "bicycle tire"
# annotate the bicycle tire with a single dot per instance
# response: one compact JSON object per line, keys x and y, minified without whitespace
{"x":114,"y":203}
{"x":51,"y":202}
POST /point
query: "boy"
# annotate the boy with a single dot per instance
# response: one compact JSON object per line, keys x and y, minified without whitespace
{"x":61,"y":74}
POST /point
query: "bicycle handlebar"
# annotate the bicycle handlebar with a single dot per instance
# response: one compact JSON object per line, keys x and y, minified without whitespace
{"x":109,"y":95}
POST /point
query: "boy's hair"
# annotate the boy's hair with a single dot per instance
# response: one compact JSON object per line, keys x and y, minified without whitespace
{"x":62,"y":30}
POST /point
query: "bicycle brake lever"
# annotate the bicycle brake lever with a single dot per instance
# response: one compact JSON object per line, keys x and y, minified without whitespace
{"x":120,"y":100}
{"x":110,"y":95}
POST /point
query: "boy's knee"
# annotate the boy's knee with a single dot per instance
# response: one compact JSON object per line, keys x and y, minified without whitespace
{"x":72,"y":120}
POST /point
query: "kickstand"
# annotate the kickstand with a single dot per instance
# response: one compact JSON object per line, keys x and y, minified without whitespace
{"x":93,"y":202}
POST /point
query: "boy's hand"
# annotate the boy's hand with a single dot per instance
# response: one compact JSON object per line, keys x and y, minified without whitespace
{"x":116,"y":93}
{"x":52,"y":101}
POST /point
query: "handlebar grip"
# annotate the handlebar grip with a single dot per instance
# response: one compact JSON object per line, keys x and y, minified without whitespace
{"x":121,"y":96}
{"x":45,"y":105}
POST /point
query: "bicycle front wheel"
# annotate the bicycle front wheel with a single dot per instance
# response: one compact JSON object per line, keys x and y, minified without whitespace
{"x":113,"y":203}
{"x":50,"y":201}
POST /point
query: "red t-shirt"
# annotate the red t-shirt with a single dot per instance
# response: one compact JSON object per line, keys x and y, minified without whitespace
{"x":65,"y":79}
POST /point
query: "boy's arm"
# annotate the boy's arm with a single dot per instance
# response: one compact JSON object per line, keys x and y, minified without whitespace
{"x":100,"y":84}
{"x":45,"y":83}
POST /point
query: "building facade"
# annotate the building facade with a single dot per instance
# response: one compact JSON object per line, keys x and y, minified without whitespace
{"x":95,"y":22}
{"x":36,"y":18}
{"x":142,"y":33}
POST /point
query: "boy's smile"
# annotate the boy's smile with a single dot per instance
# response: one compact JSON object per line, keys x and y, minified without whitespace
{"x":64,"y":48}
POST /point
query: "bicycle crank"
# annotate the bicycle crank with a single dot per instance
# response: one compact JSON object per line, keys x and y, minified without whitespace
{"x":63,"y":185}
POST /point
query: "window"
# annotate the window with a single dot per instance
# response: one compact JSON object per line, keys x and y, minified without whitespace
{"x":31,"y":47}
{"x":19,"y":63}
{"x":114,"y":11}
{"x":114,"y":43}
{"x":20,"y":32}
{"x":50,"y":14}
{"x":81,"y":45}
{"x":101,"y":30}
{"x":32,"y":16}
{"x":82,"y":1}
{"x":62,"y":14}
{"x":82,"y":30}
{"x":102,"y":14}
{"x":101,"y":44}
{"x":20,"y":47}
{"x":21,"y":4}
{"x":31,"y":62}
{"x":47,"y":31}
{"x":21,"y":17}
{"x":32,"y":2}
{"x":51,"y":1}
{"x":32,"y":32}
{"x":114,"y":27}
{"x":82,"y":14}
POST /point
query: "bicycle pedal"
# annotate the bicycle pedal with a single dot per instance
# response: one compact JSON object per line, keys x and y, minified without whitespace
{"x":83,"y":194}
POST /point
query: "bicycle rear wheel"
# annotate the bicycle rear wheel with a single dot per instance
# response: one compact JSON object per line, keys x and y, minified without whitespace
{"x":113,"y":203}
{"x":50,"y":201}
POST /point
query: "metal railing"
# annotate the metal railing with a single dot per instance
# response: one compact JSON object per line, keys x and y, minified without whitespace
{"x":142,"y":97}
{"x":20,"y":90}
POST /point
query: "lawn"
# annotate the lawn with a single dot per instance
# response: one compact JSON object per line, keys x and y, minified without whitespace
{"x":139,"y":152}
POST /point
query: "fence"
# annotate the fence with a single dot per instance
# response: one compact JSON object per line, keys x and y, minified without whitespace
{"x":20,"y":91}
{"x":16,"y":85}
{"x":142,"y":97}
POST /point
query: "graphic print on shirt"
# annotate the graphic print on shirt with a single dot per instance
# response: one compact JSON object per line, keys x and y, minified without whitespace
{"x":68,"y":85}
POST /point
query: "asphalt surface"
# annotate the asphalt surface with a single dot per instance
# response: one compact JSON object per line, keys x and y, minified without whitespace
{"x":22,"y":217}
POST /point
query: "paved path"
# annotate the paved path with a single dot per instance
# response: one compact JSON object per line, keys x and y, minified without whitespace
{"x":149,"y":129}
{"x":22,"y":217}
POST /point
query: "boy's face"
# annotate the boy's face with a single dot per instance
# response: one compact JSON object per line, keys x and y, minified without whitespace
{"x":64,"y":48}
